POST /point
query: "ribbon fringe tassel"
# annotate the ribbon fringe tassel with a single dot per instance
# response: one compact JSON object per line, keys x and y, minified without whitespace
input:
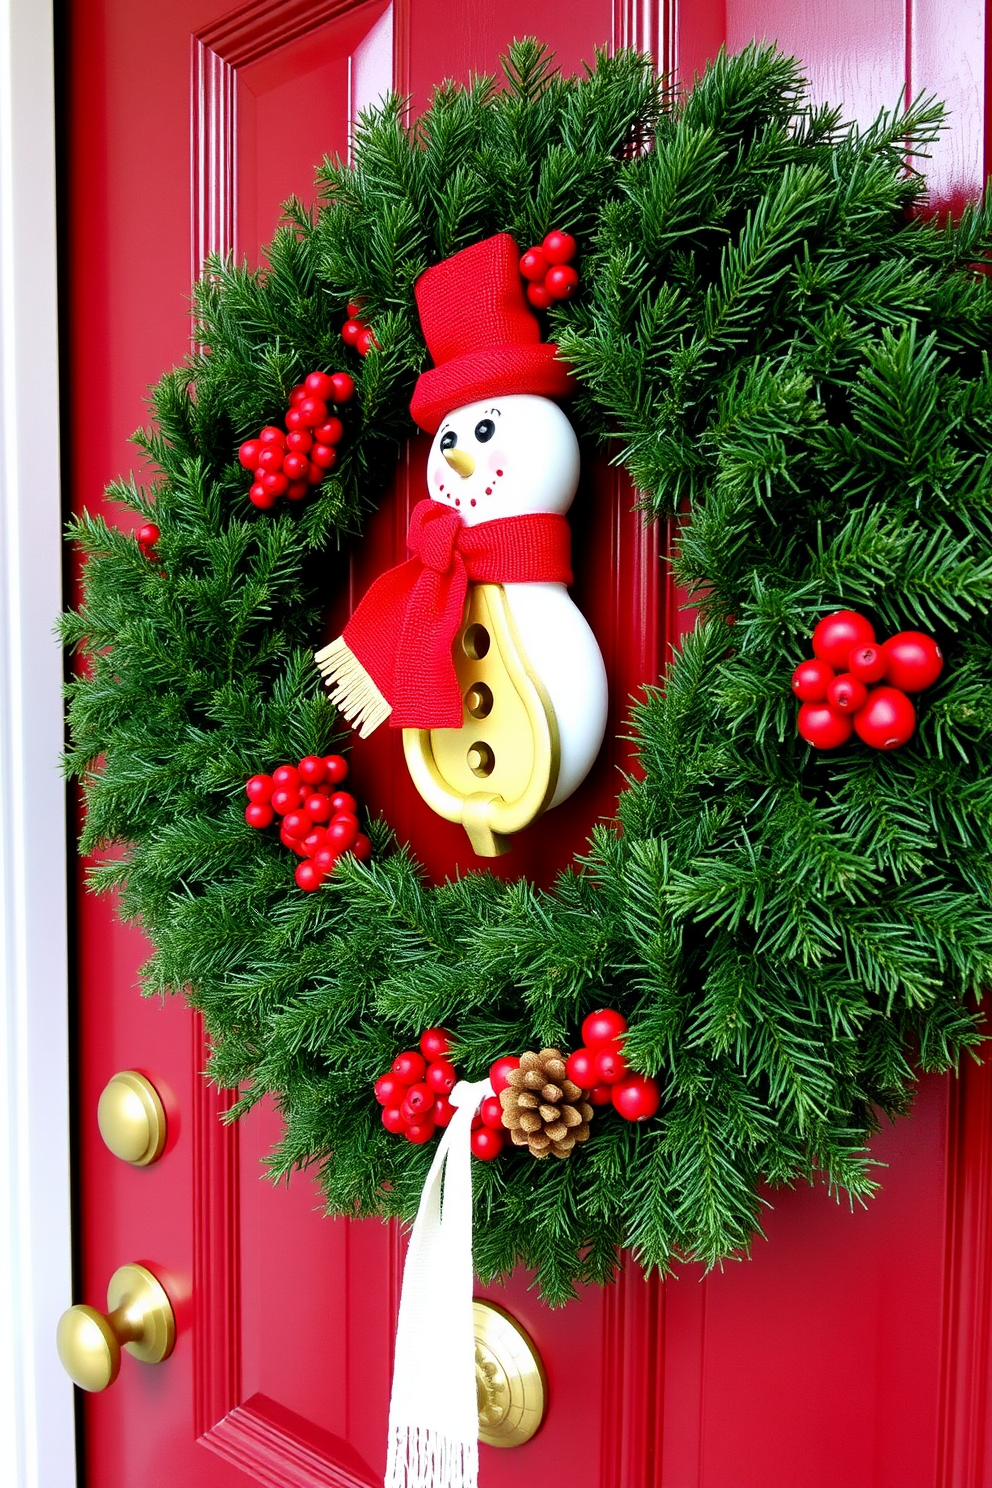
{"x":420,"y":1457}
{"x":351,"y":689}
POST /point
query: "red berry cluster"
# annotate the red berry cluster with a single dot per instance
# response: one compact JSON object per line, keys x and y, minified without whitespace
{"x":319,"y":821}
{"x":836,"y":692}
{"x":288,"y":462}
{"x":601,"y":1068}
{"x":148,"y":536}
{"x":356,"y":332}
{"x":414,"y":1092}
{"x":548,"y":270}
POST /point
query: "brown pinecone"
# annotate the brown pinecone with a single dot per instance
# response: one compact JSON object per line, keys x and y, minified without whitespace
{"x":542,"y":1108}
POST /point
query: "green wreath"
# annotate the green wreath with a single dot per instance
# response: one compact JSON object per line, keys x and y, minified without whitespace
{"x":779,"y":347}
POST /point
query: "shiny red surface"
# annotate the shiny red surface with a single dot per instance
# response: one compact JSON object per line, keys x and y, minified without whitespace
{"x":853,"y":1350}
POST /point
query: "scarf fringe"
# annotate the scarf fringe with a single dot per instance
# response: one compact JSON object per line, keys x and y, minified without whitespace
{"x":351,"y":688}
{"x":420,"y":1457}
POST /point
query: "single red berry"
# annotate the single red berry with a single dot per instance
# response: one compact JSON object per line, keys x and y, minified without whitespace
{"x":443,"y":1111}
{"x":559,"y":247}
{"x":823,"y":727}
{"x":345,"y":801}
{"x":336,"y":767}
{"x":810,"y":681}
{"x":259,"y":788}
{"x":366,"y":341}
{"x":867,"y":663}
{"x":887,"y":720}
{"x":259,"y":814}
{"x":410,"y":1066}
{"x":486,"y":1143}
{"x":442,"y":1076}
{"x":362,"y":848}
{"x":388,"y":1090}
{"x":271,"y":435}
{"x":846,"y":693}
{"x":562,"y":282}
{"x":350,"y":331}
{"x":354,"y":308}
{"x":317,"y":807}
{"x":319,"y":385}
{"x":148,"y":535}
{"x":579,"y":1068}
{"x":539,"y":297}
{"x":492,"y":1113}
{"x":298,"y":393}
{"x":836,"y":636}
{"x":324,"y":456}
{"x":275,"y":483}
{"x":341,"y":832}
{"x":300,"y":441}
{"x":330,"y":433}
{"x":326,"y":858}
{"x":420,"y":1098}
{"x":534,"y":265}
{"x":610,"y":1065}
{"x":314,"y":474}
{"x":308,"y":876}
{"x":637,"y":1097}
{"x":419,"y":1132}
{"x":312,"y":769}
{"x":260,"y":497}
{"x":602,"y":1027}
{"x":286,"y":798}
{"x":342,"y":387}
{"x":296,"y":490}
{"x":270,"y":457}
{"x":498,"y":1072}
{"x":435,"y":1043}
{"x":312,"y":411}
{"x":297,"y":824}
{"x":912,"y":660}
{"x":293,"y":420}
{"x":314,"y":841}
{"x":249,"y":452}
{"x":601,"y":1095}
{"x":393,"y":1121}
{"x":286,"y":775}
{"x":295,"y":466}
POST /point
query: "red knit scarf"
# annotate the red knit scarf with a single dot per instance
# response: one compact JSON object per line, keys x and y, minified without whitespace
{"x":403,"y":629}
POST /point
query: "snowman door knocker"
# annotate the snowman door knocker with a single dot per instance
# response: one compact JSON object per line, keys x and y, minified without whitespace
{"x":473,"y":646}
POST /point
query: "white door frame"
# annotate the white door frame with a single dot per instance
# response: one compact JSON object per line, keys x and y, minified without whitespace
{"x":36,"y":1404}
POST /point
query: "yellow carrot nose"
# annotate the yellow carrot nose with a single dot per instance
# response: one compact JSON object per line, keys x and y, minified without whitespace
{"x":459,"y":460}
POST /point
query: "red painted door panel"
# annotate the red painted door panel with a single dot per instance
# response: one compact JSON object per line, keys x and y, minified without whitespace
{"x":853,"y":1350}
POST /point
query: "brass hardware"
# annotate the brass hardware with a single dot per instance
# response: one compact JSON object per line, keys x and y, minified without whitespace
{"x":508,"y":738}
{"x":510,"y":1382}
{"x":139,"y":1318}
{"x":460,"y":460}
{"x":479,"y":700}
{"x":132,"y":1119}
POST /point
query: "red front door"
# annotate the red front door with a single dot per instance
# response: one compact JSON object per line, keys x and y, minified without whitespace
{"x":853,"y":1350}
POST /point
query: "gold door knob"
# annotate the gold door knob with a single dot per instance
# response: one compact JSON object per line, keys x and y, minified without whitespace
{"x":509,"y":1378}
{"x":139,"y":1318}
{"x":131,"y":1118}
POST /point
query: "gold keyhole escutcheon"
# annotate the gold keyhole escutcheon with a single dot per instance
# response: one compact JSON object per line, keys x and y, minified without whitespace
{"x":131,"y":1118}
{"x":139,"y":1318}
{"x":510,"y":1382}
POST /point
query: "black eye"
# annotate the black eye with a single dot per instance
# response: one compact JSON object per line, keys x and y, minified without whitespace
{"x":484,"y":429}
{"x":449,"y":440}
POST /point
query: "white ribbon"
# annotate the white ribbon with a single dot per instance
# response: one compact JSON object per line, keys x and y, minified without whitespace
{"x":433,"y":1412}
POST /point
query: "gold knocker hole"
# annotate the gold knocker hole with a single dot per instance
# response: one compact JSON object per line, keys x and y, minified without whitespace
{"x":475,"y":642}
{"x":479,"y":700}
{"x":481,"y":760}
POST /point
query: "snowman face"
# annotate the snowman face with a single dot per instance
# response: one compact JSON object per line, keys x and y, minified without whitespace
{"x":503,"y":457}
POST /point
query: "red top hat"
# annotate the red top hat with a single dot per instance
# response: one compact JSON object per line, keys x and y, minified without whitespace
{"x":483,"y":337}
